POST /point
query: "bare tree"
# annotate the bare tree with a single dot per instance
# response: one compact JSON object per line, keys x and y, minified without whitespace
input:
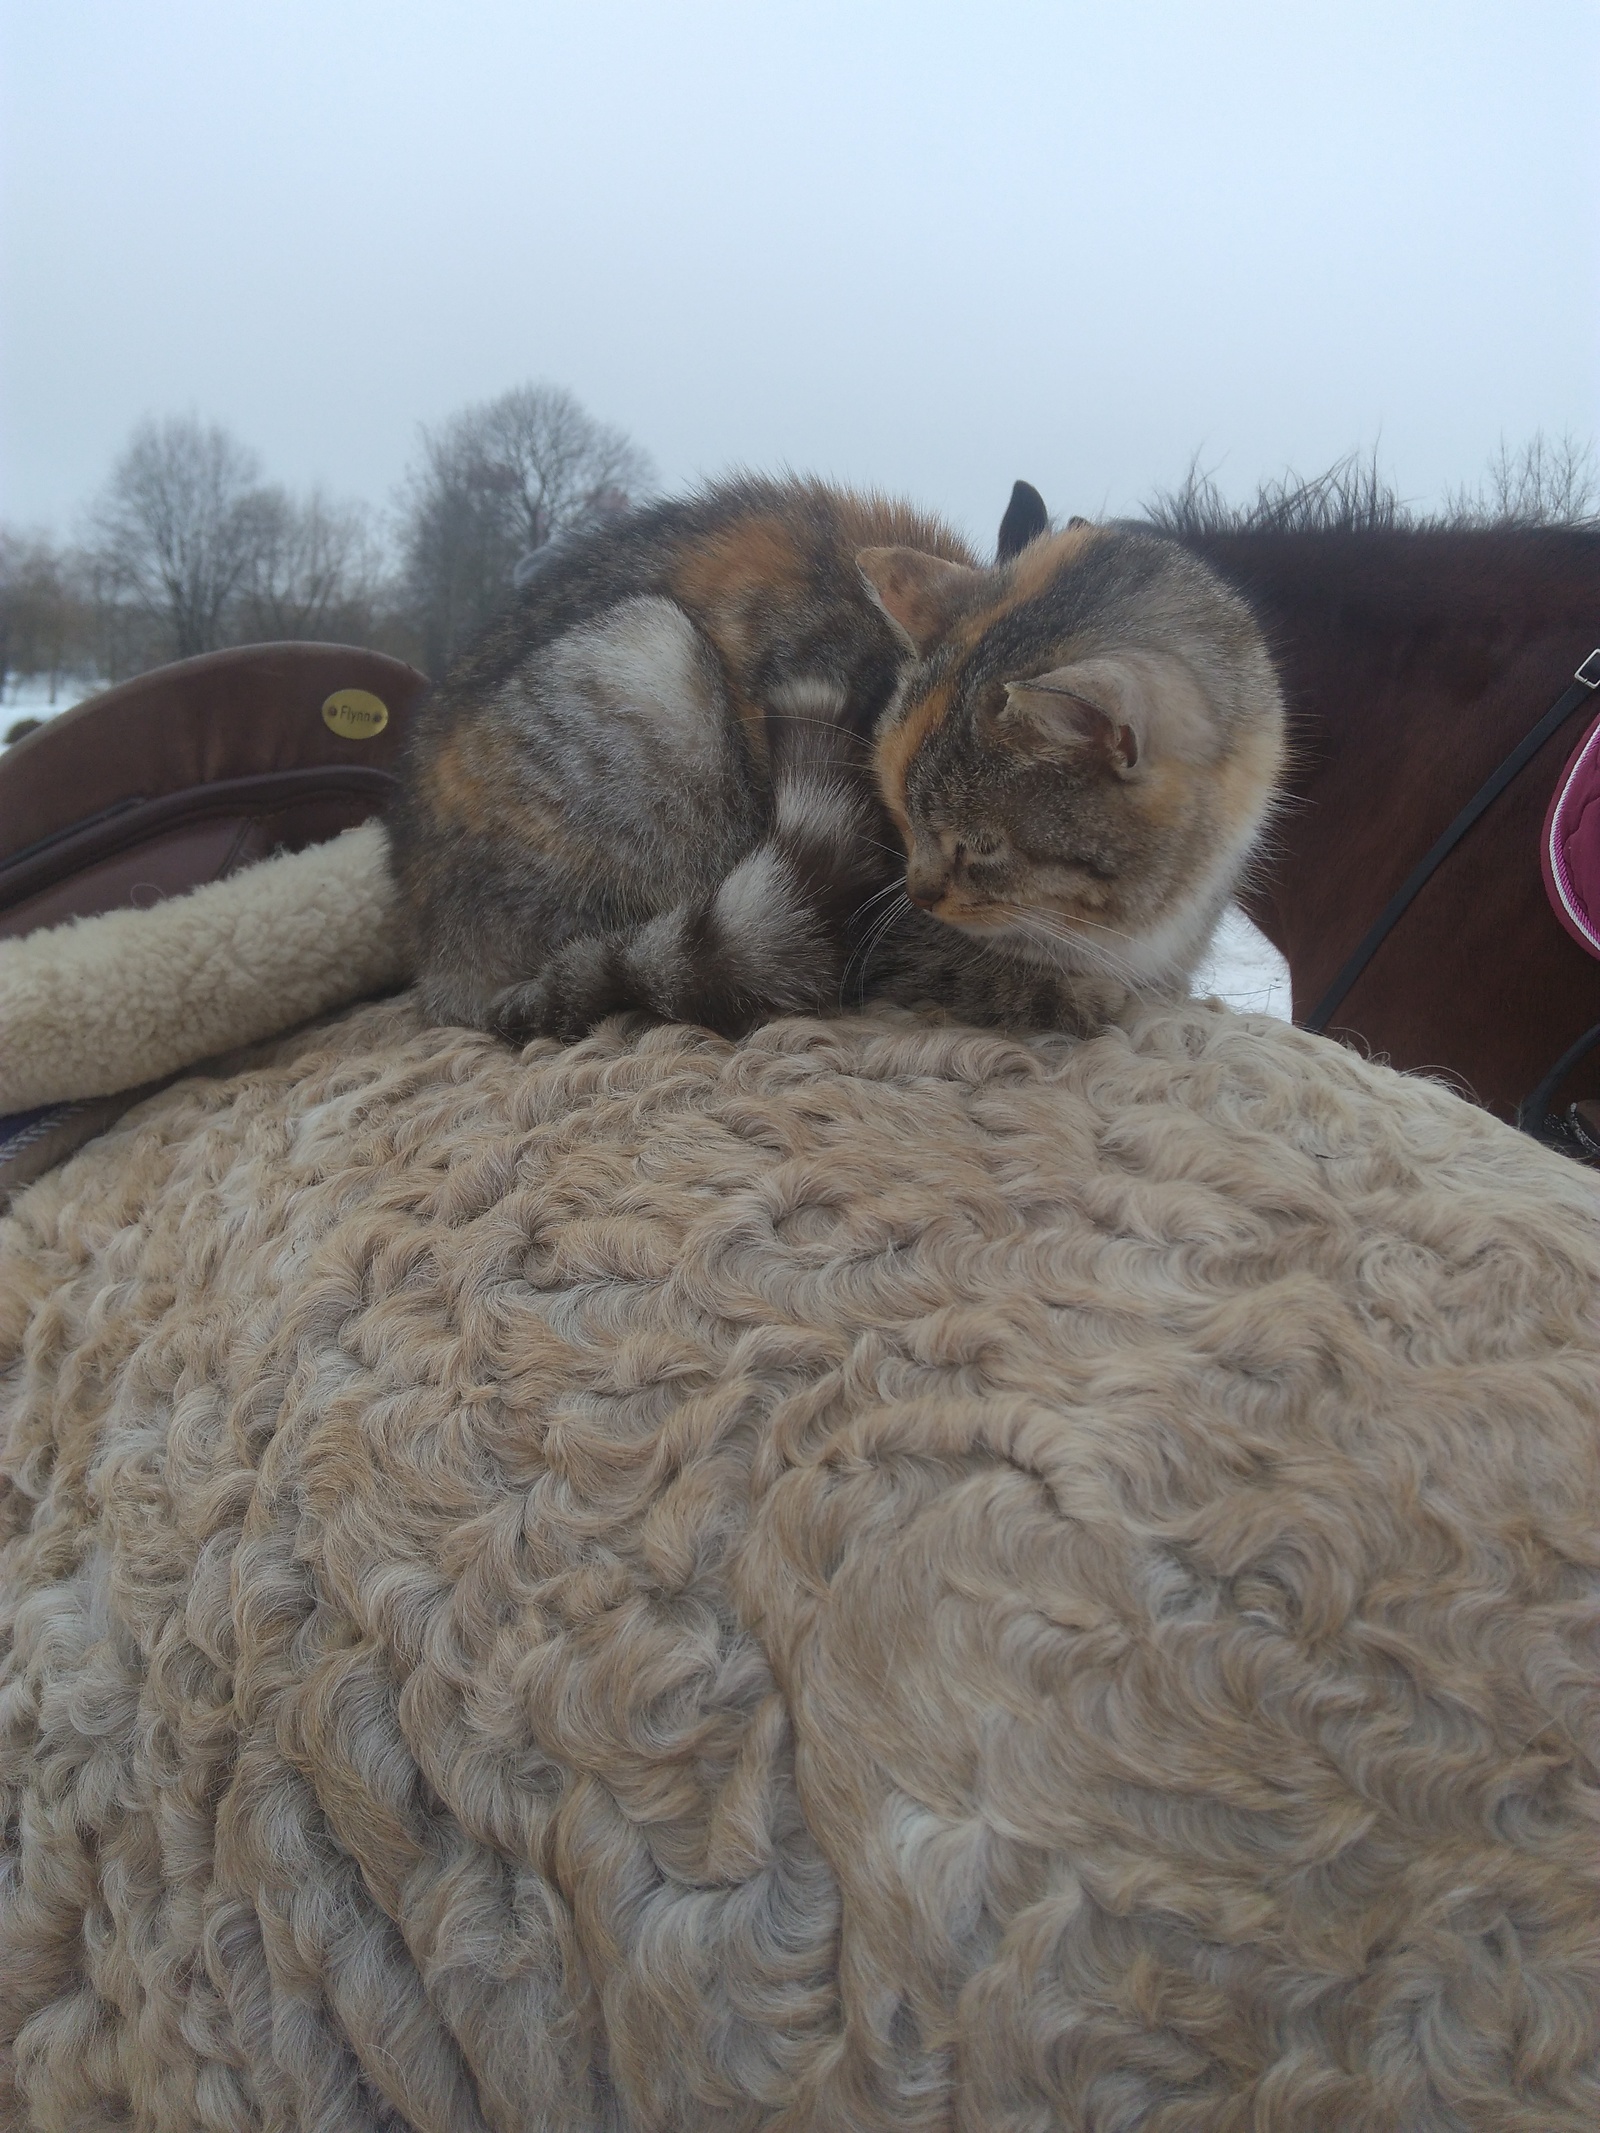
{"x":180,"y":525}
{"x":314,"y":572}
{"x":565,"y":468}
{"x":496,"y":485}
{"x":124,"y":636}
{"x":1549,"y":482}
{"x":43,"y":625}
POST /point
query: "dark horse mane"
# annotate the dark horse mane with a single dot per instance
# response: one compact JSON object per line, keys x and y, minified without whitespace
{"x":1553,"y":486}
{"x":1416,"y":652}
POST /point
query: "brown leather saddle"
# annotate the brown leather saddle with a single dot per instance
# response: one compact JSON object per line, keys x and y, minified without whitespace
{"x":179,"y":777}
{"x":187,"y":774}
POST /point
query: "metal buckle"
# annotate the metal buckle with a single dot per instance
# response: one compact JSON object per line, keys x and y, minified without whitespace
{"x":1580,"y":1137}
{"x":1589,"y":672}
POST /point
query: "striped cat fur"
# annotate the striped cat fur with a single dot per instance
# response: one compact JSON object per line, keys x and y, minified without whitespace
{"x":779,"y":748}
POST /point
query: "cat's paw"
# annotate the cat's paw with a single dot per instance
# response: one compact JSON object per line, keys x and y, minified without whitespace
{"x":522,"y":1012}
{"x":578,"y":987}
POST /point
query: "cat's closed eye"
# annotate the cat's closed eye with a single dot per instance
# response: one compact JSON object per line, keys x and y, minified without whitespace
{"x":978,"y":845}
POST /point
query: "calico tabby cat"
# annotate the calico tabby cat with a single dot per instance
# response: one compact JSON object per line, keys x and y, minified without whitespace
{"x":778,"y":748}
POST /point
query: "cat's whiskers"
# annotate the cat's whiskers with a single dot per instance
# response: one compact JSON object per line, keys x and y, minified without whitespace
{"x":843,"y":734}
{"x":830,"y":725}
{"x":876,"y":934}
{"x":1049,"y":921}
{"x":890,"y":888}
{"x":1047,"y":929}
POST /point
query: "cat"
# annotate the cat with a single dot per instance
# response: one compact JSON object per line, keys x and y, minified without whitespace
{"x":780,"y":748}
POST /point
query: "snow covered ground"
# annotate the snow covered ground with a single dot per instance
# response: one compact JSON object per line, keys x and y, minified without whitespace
{"x":31,"y":698}
{"x":1244,"y":968}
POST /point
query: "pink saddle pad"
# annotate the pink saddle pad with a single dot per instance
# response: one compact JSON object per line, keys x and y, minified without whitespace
{"x":1570,"y":851}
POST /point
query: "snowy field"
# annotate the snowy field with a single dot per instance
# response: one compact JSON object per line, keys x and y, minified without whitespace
{"x":1244,"y":968}
{"x":31,"y":699}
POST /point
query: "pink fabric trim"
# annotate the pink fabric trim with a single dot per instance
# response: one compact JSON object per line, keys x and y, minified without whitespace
{"x":1569,"y":853}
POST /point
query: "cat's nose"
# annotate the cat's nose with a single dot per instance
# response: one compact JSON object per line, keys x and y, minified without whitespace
{"x":925,"y":890}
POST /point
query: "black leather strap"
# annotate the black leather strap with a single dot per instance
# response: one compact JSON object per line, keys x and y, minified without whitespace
{"x":1533,"y":1111}
{"x":1583,"y":685}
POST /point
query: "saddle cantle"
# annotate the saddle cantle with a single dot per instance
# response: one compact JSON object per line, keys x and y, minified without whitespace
{"x":188,"y":773}
{"x":181,"y":777}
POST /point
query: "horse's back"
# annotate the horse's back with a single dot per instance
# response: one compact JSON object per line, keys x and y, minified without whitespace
{"x":878,"y":1576}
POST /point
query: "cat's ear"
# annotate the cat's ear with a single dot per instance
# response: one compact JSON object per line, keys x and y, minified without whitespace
{"x":1027,"y":516}
{"x":1099,"y":705}
{"x":922,"y":595}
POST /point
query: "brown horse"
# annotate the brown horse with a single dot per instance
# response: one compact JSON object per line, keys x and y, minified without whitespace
{"x":1414,"y":660}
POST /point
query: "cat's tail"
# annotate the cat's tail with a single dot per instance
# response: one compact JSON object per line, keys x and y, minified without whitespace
{"x":776,"y":936}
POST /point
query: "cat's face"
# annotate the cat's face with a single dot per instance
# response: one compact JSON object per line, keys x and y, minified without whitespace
{"x":1083,"y":753}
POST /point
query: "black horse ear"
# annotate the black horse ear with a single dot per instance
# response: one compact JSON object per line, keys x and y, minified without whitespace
{"x":1026,"y":518}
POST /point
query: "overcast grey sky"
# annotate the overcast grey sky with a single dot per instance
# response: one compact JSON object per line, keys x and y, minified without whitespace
{"x":926,"y":245}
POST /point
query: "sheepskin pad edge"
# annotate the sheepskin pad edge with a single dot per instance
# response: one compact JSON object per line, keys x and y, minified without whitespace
{"x":97,"y":1005}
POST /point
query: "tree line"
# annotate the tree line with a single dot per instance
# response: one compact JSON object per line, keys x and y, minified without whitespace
{"x":188,"y":548}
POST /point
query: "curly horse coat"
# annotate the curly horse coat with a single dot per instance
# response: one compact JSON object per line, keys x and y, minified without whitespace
{"x":878,"y":1577}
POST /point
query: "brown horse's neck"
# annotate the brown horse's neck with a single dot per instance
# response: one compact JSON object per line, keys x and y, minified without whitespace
{"x":1413,"y":662}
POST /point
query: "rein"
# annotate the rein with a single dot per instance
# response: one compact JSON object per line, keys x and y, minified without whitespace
{"x":1581,"y":688}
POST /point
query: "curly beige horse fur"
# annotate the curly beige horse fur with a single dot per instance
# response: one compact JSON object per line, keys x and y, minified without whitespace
{"x":878,"y":1577}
